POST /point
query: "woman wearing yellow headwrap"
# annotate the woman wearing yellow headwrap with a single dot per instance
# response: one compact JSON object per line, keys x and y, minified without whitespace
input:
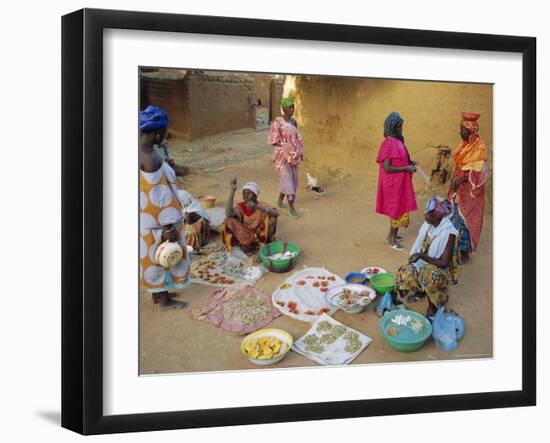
{"x":467,"y":189}
{"x":288,"y":153}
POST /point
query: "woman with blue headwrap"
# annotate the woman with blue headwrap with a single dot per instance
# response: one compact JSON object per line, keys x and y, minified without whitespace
{"x":396,"y":196}
{"x":161,"y":214}
{"x":434,"y":263}
{"x":154,"y":116}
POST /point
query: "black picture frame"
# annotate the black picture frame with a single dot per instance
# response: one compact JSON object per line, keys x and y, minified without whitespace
{"x":82,"y":218}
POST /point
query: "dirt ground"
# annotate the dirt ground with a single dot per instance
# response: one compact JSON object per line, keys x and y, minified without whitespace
{"x":339,"y":230}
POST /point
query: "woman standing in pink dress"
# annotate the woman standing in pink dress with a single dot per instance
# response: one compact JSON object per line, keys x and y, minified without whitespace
{"x":396,"y":197}
{"x":288,"y":153}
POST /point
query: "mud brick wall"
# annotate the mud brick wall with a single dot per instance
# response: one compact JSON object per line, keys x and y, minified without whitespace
{"x":220,"y":102}
{"x":262,"y":89}
{"x":172,"y":95}
{"x":276,"y":93}
{"x":203,"y":103}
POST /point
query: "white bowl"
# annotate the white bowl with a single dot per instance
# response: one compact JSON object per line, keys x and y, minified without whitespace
{"x":370,"y":274}
{"x":279,"y":334}
{"x":355,"y":308}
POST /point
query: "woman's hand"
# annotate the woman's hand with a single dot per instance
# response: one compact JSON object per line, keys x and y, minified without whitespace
{"x":410,"y":168}
{"x":455,"y":184}
{"x":415,"y":257}
{"x":251,"y":204}
{"x":271,"y":212}
{"x":170,"y":234}
{"x":233,"y":183}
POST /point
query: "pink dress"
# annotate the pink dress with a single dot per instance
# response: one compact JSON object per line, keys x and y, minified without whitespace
{"x":395,"y":190}
{"x":287,"y":154}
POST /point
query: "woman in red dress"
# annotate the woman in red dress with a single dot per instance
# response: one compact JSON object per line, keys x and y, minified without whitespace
{"x":467,"y":189}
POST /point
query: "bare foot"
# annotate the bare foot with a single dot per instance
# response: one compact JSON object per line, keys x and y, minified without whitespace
{"x":294,"y":213}
{"x":398,"y":238}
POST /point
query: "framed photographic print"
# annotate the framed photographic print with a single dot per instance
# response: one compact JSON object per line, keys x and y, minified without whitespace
{"x":270,"y":221}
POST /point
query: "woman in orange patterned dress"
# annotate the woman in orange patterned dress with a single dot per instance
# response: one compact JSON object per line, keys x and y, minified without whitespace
{"x":467,"y":188}
{"x":250,"y":223}
{"x":161,"y":216}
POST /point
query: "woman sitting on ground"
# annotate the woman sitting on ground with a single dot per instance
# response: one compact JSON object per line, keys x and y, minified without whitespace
{"x":197,"y":220}
{"x":433,"y":263}
{"x":249,"y":224}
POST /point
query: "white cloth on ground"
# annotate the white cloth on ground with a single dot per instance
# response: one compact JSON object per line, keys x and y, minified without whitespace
{"x":334,"y":353}
{"x":307,"y":289}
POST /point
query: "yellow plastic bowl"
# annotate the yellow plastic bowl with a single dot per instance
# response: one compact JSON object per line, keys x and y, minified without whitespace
{"x":279,"y":334}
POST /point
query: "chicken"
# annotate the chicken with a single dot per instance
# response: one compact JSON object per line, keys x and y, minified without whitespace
{"x":311,"y":181}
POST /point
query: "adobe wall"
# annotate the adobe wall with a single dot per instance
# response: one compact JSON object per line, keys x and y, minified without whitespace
{"x":341,"y":119}
{"x":170,"y":93}
{"x":220,"y":102}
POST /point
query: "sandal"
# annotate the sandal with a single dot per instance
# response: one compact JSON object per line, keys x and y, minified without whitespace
{"x":397,"y":246}
{"x":413,"y":298}
{"x":174,"y":305}
{"x":398,"y":238}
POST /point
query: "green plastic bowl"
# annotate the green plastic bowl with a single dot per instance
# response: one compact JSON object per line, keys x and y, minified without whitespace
{"x":406,"y":340}
{"x":282,"y":265}
{"x":383,"y":283}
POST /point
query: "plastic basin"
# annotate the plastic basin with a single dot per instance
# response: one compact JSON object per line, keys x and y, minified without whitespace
{"x":383,"y":283}
{"x":407,"y":340}
{"x":283,"y":264}
{"x":356,"y":278}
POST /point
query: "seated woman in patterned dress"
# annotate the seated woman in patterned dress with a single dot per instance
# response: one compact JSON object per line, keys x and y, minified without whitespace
{"x":250,"y":223}
{"x":197,"y":220}
{"x":433,"y":264}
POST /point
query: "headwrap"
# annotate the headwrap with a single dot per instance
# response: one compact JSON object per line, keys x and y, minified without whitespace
{"x":253,"y":187}
{"x":152,"y":118}
{"x":191,"y":205}
{"x":470,"y":155}
{"x":439,"y":206}
{"x":469,"y":121}
{"x":393,"y":120}
{"x":431,"y":205}
{"x":287,"y":102}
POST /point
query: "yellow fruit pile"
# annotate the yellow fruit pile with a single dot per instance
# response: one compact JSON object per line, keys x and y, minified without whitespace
{"x":264,"y":347}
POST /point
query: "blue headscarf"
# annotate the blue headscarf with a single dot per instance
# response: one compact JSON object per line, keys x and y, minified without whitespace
{"x":152,"y":118}
{"x":391,"y":123}
{"x":440,"y":206}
